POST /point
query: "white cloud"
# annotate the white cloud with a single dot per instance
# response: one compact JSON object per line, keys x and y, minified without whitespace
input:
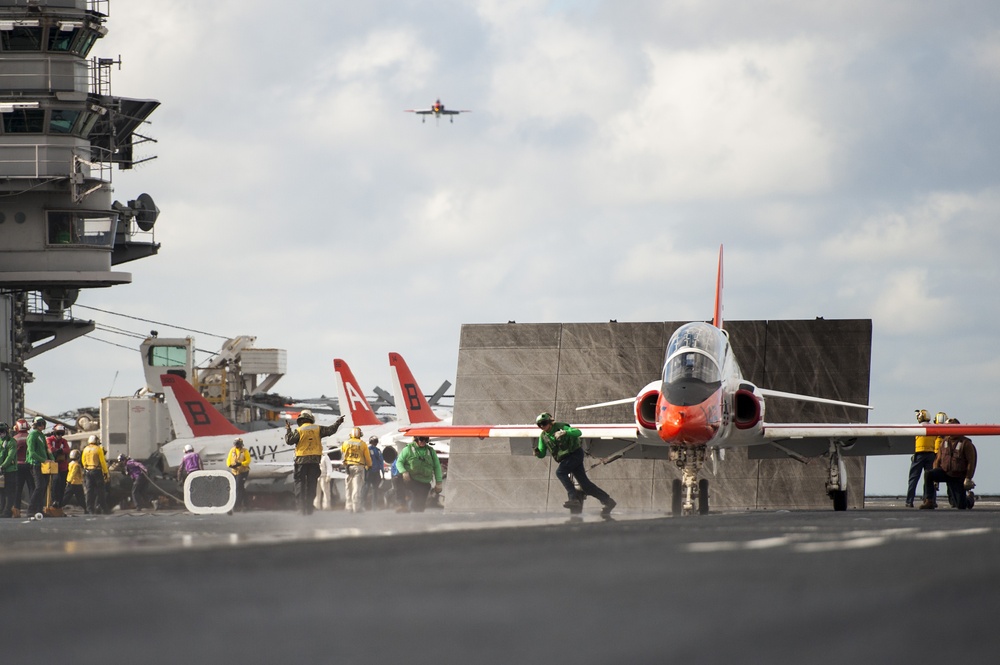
{"x":721,"y":123}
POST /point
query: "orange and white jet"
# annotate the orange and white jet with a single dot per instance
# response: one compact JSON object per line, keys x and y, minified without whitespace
{"x":437,"y":109}
{"x":702,"y":403}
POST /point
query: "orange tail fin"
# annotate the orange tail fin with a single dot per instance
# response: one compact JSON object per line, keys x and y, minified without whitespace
{"x":355,"y":408}
{"x":411,"y":405}
{"x":190,"y":413}
{"x":717,"y":318}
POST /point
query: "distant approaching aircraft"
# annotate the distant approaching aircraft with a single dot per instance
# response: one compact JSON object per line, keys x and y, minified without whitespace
{"x":437,"y":109}
{"x":702,"y":403}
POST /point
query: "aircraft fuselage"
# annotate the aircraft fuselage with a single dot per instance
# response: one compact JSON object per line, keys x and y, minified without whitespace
{"x":700,"y":376}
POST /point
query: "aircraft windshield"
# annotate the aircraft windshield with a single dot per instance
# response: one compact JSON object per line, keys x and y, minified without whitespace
{"x":693,"y":368}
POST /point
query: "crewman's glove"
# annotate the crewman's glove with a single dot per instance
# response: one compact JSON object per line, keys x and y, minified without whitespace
{"x":340,"y":420}
{"x":560,"y":434}
{"x":969,"y":483}
{"x":406,"y":476}
{"x":438,"y":488}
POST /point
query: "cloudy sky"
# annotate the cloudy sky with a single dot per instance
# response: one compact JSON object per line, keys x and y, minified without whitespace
{"x":845,"y":154}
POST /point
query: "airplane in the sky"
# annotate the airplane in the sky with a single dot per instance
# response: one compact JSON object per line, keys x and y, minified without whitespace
{"x":702,"y":404}
{"x":437,"y":109}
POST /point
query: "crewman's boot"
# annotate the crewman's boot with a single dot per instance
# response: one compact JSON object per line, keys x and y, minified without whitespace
{"x":609,"y":505}
{"x":928,"y":505}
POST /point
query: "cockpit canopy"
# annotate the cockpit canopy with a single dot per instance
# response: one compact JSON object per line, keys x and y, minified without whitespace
{"x":693,"y":366}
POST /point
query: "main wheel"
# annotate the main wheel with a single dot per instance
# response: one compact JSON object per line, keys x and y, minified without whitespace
{"x":675,"y":497}
{"x":703,"y":496}
{"x":839,"y":500}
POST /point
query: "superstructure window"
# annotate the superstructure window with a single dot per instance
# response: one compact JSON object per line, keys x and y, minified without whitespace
{"x":61,"y":121}
{"x":167,"y":356}
{"x":83,"y":42}
{"x":80,"y":228}
{"x":20,"y":37}
{"x":61,"y":37}
{"x":24,"y":121}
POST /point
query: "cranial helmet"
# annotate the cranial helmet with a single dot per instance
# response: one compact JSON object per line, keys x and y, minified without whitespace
{"x":373,"y":440}
{"x":94,"y":439}
{"x":59,"y":429}
{"x":73,"y":454}
{"x":940,"y":418}
{"x":356,"y":433}
{"x":923,"y":416}
{"x":306,"y":416}
{"x":543,"y":418}
{"x":188,"y":448}
{"x":21,"y":425}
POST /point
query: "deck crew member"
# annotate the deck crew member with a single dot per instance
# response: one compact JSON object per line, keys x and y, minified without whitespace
{"x":59,"y":447}
{"x":357,"y":461}
{"x":8,"y":466}
{"x":36,"y":453}
{"x":307,"y":440}
{"x":955,"y":464}
{"x":74,"y":482}
{"x":420,"y":470}
{"x":95,"y":476}
{"x":238,"y":461}
{"x":922,"y":461}
{"x":563,"y":443}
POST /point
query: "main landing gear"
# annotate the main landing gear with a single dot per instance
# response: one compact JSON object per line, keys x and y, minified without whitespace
{"x":687,"y":489}
{"x":836,"y":483}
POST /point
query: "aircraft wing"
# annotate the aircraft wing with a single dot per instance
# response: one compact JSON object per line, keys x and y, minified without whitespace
{"x":775,"y":431}
{"x":813,"y":439}
{"x":601,"y":431}
{"x":419,"y":111}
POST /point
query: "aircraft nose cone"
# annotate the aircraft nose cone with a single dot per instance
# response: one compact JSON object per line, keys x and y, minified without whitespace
{"x":684,"y":426}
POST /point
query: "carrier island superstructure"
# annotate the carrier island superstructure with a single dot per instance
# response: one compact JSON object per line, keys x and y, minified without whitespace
{"x":62,"y":133}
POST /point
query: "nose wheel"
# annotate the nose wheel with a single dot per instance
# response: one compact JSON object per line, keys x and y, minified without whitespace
{"x":687,"y":491}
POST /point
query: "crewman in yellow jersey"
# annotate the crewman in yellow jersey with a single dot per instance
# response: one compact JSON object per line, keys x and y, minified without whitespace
{"x":357,"y":460}
{"x":95,"y":476}
{"x":74,"y":482}
{"x":238,"y":461}
{"x":923,"y":457}
{"x":308,"y":450}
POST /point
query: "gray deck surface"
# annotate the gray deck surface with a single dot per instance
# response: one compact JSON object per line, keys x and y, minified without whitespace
{"x":271,"y":587}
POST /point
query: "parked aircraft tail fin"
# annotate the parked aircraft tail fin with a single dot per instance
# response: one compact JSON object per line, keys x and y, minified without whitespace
{"x":411,"y":405}
{"x":717,"y":317}
{"x":354,"y":406}
{"x":190,"y":413}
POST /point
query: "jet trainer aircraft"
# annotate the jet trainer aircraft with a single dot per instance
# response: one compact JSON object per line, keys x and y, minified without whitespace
{"x":437,"y":109}
{"x":702,"y":403}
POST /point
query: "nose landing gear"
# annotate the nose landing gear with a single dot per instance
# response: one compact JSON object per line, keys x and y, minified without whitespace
{"x":687,"y":489}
